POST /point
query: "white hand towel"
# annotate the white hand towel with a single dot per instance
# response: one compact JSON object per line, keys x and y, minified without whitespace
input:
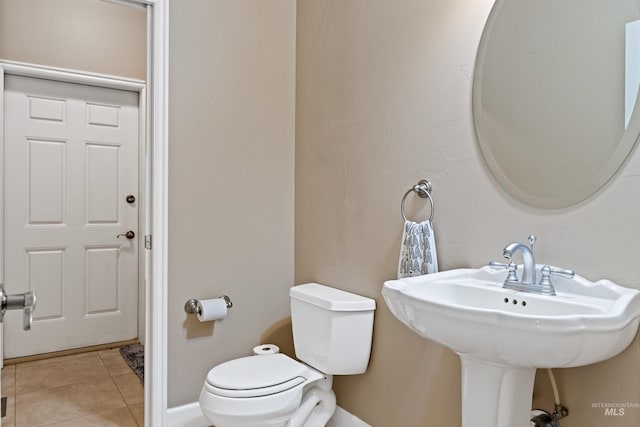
{"x":418,"y":250}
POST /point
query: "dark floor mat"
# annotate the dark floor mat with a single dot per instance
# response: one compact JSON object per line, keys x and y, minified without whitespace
{"x":134,"y":356}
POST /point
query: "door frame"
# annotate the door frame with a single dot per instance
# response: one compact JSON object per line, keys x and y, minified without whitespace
{"x":156,"y":109}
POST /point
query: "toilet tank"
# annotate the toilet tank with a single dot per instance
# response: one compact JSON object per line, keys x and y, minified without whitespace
{"x":332,"y":329}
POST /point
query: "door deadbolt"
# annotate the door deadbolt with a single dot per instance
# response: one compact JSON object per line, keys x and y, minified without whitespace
{"x":129,"y":235}
{"x":131,"y":198}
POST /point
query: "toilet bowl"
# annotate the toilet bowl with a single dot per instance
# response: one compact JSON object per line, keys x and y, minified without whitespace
{"x":263,"y":390}
{"x":332,"y":332}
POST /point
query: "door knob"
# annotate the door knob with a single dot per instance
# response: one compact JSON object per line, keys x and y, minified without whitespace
{"x":25,"y":302}
{"x":129,"y":235}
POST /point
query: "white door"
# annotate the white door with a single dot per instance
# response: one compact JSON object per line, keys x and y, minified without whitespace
{"x":70,"y":161}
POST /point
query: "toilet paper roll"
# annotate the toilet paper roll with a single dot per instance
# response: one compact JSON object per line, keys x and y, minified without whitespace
{"x":211,"y":309}
{"x":266,"y":349}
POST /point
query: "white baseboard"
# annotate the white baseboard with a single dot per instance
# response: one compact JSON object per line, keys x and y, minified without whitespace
{"x":190,"y":415}
{"x":342,"y":418}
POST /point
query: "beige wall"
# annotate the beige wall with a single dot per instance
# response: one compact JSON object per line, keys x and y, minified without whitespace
{"x":231,"y":178}
{"x":383,"y":99}
{"x":231,"y":148}
{"x":1,"y":22}
{"x":87,"y":35}
{"x":383,"y":91}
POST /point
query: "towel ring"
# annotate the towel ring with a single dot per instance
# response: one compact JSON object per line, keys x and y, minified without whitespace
{"x":423,"y":189}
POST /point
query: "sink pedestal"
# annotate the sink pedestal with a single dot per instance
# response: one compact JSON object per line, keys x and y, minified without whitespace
{"x":495,"y":395}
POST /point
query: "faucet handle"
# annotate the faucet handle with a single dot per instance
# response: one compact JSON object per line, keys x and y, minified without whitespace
{"x":512,"y":276}
{"x":547,"y":272}
{"x":567,"y":274}
{"x":498,"y":265}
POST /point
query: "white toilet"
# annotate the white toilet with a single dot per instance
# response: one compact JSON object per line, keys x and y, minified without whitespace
{"x":332,"y":332}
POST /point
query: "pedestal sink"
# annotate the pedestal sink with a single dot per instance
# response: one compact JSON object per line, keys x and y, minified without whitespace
{"x":502,"y":336}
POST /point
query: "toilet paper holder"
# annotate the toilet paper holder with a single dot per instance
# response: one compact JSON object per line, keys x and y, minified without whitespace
{"x":191,"y":306}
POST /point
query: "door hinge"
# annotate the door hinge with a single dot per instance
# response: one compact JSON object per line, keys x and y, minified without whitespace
{"x":147,"y":241}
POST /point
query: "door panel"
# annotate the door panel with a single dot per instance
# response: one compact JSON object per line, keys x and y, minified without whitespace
{"x":70,"y":160}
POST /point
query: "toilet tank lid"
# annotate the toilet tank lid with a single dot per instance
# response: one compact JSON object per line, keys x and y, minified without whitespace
{"x":331,"y":298}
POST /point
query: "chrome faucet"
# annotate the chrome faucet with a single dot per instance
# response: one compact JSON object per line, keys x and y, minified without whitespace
{"x":529,"y":267}
{"x":528,"y":282}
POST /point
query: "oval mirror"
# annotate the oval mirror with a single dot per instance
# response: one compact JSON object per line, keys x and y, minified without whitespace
{"x":554,"y":91}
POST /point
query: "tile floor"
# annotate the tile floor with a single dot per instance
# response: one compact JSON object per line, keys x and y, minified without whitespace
{"x":95,"y":389}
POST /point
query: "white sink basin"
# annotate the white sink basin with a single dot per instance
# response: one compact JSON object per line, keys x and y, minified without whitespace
{"x":468,"y":311}
{"x":503,"y":335}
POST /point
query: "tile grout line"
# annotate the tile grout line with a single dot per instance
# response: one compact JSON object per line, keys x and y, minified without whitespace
{"x":105,"y":362}
{"x":112,"y":375}
{"x":115,"y":384}
{"x":134,"y":416}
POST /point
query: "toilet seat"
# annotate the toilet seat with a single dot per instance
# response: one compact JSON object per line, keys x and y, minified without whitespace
{"x":255,"y":376}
